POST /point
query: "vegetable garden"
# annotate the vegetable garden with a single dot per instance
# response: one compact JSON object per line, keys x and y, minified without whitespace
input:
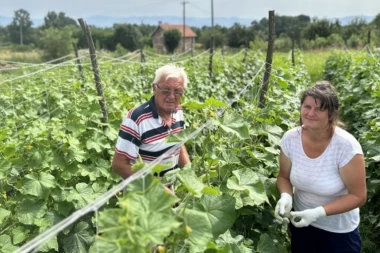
{"x":56,"y":152}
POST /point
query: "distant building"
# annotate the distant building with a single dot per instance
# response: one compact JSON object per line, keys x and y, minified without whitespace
{"x":158,"y":37}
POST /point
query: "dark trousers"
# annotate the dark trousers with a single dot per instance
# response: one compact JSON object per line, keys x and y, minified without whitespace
{"x":314,"y":240}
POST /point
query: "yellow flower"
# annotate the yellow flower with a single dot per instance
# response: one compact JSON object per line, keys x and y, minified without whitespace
{"x":212,"y":113}
{"x":196,"y":125}
{"x":28,"y":147}
{"x":161,"y":249}
{"x":188,"y":229}
{"x":4,"y":195}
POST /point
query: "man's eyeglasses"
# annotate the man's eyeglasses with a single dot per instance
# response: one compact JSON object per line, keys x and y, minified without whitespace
{"x":167,"y":92}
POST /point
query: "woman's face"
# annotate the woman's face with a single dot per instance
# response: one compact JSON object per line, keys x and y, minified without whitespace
{"x":312,"y":116}
{"x":168,"y":94}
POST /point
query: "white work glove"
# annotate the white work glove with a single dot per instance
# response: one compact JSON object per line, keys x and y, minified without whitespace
{"x":284,"y":205}
{"x":306,"y":217}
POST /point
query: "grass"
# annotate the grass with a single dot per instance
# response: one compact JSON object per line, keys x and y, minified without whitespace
{"x":314,"y":61}
{"x":34,"y":56}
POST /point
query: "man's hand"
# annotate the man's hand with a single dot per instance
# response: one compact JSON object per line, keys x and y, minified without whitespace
{"x":306,"y":217}
{"x":284,"y":205}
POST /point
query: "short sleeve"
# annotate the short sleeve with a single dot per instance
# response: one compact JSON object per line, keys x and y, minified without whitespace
{"x":351,"y":148}
{"x":129,"y":139}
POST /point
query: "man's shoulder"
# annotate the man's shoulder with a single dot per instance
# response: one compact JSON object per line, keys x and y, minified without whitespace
{"x":141,"y":110}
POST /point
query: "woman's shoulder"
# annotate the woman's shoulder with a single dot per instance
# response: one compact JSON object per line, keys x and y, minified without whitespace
{"x":293,"y":133}
{"x":344,"y":136}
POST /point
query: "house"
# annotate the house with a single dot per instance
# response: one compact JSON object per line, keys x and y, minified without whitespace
{"x":158,"y":37}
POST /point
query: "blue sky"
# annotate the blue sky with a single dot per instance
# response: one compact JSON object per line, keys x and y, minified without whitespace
{"x":194,"y":8}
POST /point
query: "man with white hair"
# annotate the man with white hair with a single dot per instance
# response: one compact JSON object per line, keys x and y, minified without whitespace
{"x":145,"y":127}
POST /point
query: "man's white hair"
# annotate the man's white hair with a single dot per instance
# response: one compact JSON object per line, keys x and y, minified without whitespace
{"x":171,"y":71}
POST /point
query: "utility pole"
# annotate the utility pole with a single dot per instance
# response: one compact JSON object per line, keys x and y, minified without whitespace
{"x":184,"y":25}
{"x":212,"y":26}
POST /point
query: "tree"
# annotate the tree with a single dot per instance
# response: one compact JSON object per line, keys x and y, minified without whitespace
{"x":172,"y":39}
{"x":318,"y":28}
{"x":205,"y":38}
{"x":20,"y":27}
{"x":238,"y":36}
{"x":56,"y":42}
{"x":128,"y":36}
{"x":52,"y":19}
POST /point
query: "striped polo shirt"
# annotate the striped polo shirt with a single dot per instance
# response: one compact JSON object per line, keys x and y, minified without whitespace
{"x":143,"y":132}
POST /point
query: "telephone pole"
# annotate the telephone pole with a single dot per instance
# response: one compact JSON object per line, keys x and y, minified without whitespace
{"x":184,"y":25}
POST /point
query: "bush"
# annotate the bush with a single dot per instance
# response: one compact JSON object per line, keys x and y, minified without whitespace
{"x":56,"y":42}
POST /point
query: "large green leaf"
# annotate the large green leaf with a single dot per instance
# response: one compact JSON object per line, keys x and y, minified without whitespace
{"x":29,"y":210}
{"x":266,"y":245}
{"x":37,"y":184}
{"x":19,"y":234}
{"x":3,"y":214}
{"x":82,"y":195}
{"x":200,"y":225}
{"x":220,"y":211}
{"x":79,"y":239}
{"x":4,"y":168}
{"x":248,"y":181}
{"x":6,"y":245}
{"x":191,"y":182}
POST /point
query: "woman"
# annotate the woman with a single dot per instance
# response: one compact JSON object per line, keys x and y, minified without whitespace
{"x":322,"y":169}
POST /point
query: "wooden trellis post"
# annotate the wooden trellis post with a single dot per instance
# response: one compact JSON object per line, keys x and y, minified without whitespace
{"x":78,"y":62}
{"x":95,"y":69}
{"x":269,"y":58}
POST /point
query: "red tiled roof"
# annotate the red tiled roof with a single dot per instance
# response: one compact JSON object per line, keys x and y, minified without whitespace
{"x":188,"y":31}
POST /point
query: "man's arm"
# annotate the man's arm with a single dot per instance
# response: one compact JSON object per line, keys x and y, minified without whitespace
{"x":122,"y":166}
{"x":183,"y":157}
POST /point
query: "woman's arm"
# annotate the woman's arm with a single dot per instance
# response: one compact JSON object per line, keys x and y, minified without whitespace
{"x":353,"y":176}
{"x":283,"y":178}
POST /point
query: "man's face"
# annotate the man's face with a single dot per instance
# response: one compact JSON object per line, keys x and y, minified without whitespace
{"x":168,"y":94}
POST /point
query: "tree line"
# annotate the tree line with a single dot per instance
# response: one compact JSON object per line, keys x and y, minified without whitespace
{"x":56,"y":35}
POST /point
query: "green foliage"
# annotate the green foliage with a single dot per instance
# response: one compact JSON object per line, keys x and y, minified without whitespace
{"x":56,"y":42}
{"x":19,"y":29}
{"x":205,"y":38}
{"x":356,"y":77}
{"x":54,"y":20}
{"x":128,"y":36}
{"x":238,"y":36}
{"x":172,"y":40}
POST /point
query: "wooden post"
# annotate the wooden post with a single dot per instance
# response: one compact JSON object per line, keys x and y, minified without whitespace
{"x":95,"y":69}
{"x":142,"y":55}
{"x":210,"y":63}
{"x":245,"y":51}
{"x":293,"y":38}
{"x":369,"y":38}
{"x":268,"y":62}
{"x":78,"y":62}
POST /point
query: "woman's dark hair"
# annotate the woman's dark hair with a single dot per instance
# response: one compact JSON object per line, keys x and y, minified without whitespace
{"x":325,"y":92}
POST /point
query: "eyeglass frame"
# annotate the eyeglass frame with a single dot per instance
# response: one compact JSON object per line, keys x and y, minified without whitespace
{"x":167,"y":92}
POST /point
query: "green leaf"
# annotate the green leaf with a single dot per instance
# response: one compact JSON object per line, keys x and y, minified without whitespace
{"x":4,"y":168}
{"x":82,"y":195}
{"x":191,"y":182}
{"x":234,"y":124}
{"x":20,"y":234}
{"x":29,"y":210}
{"x":3,"y":214}
{"x":200,"y":225}
{"x":220,"y":211}
{"x":248,"y":182}
{"x":194,"y":105}
{"x":6,"y":245}
{"x":37,"y":184}
{"x":79,"y":239}
{"x":266,"y":245}
{"x":215,"y":103}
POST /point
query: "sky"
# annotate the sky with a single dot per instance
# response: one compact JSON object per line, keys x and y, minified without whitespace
{"x":194,"y":8}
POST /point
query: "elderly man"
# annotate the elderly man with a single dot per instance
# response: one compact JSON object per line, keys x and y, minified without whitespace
{"x":145,"y":127}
